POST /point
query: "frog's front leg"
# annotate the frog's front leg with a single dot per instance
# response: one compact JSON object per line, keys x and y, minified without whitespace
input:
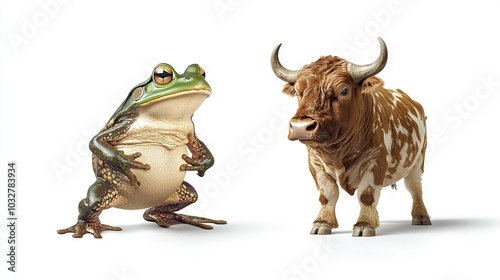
{"x":100,"y":196}
{"x":201,"y":159}
{"x":101,"y":147}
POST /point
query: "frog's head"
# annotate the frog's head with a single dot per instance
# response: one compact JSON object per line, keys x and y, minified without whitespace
{"x":166,"y":86}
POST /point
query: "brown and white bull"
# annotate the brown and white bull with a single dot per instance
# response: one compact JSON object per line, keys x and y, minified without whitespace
{"x":358,"y":134}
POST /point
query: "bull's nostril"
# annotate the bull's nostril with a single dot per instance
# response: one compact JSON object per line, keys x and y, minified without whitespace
{"x":302,"y":128}
{"x":312,"y":126}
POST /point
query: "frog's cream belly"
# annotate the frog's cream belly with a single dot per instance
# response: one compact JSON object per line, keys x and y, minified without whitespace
{"x":158,"y":183}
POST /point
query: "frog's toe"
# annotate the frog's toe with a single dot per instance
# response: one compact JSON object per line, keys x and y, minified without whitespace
{"x":166,"y":219}
{"x":197,"y":221}
{"x":82,"y":227}
{"x":203,"y":220}
{"x":161,"y":220}
{"x":96,"y":229}
{"x":77,"y":230}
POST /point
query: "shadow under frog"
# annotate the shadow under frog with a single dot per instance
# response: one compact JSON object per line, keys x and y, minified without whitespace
{"x":140,"y":157}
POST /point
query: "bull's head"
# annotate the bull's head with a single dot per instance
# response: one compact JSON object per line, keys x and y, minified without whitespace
{"x":329,"y":95}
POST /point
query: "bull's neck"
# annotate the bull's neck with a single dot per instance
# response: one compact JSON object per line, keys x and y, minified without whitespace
{"x":357,"y":138}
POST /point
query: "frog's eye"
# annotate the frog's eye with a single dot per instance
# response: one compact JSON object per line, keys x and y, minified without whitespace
{"x":162,"y":75}
{"x":202,"y":71}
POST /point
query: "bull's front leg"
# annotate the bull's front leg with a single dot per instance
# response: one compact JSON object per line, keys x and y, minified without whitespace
{"x":328,"y":196}
{"x":368,"y":219}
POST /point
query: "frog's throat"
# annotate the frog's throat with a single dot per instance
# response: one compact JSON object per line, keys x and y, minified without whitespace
{"x":178,"y":107}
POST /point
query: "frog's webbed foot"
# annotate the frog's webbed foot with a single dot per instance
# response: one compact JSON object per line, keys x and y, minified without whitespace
{"x":81,"y":227}
{"x":166,"y":219}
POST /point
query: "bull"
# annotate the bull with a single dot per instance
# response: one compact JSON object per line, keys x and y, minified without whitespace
{"x":358,"y":135}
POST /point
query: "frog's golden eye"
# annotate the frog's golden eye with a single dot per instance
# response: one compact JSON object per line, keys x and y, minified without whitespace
{"x":162,"y":75}
{"x":202,"y":71}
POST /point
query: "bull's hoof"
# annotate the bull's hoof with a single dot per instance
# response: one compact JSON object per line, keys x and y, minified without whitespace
{"x":321,"y":228}
{"x":421,"y":221}
{"x":364,"y":231}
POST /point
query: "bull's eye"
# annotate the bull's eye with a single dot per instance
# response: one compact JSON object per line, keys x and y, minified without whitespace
{"x":344,"y":92}
{"x":162,"y":75}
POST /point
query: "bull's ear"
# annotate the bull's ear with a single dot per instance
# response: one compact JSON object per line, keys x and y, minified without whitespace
{"x":371,"y":83}
{"x":289,"y":90}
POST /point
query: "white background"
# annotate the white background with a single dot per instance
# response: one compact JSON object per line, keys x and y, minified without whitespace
{"x":65,"y":67}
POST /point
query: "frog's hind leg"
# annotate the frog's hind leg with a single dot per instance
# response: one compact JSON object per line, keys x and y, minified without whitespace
{"x":100,"y":196}
{"x":164,"y":215}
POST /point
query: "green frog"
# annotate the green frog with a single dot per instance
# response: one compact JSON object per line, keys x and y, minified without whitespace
{"x":140,"y":157}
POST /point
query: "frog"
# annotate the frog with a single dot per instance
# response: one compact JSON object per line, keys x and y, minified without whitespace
{"x":140,"y":157}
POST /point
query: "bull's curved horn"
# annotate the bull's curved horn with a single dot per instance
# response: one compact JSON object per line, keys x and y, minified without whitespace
{"x":361,"y":72}
{"x":280,"y":71}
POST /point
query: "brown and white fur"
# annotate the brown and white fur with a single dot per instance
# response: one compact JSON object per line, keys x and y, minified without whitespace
{"x":359,"y":136}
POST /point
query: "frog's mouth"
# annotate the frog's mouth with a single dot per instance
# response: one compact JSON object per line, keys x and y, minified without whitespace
{"x":202,"y":92}
{"x":180,"y":105}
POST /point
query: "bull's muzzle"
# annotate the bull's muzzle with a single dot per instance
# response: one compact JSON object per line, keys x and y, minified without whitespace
{"x":302,"y":129}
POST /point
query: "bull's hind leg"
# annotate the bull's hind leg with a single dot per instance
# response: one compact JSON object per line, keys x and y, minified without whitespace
{"x":164,"y":215}
{"x":413,"y":183}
